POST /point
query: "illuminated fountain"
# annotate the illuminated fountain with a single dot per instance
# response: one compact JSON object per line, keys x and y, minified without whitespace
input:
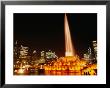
{"x":70,"y":63}
{"x":70,"y":54}
{"x":68,"y":42}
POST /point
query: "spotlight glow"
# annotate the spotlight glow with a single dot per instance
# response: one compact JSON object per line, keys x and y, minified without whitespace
{"x":68,"y":42}
{"x":21,"y":71}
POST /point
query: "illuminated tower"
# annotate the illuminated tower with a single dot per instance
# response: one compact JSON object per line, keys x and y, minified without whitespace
{"x":33,"y":57}
{"x":95,"y":48}
{"x":23,"y":52}
{"x":16,"y":50}
{"x":42,"y":59}
{"x":16,"y":53}
{"x":90,"y":53}
{"x":68,"y":42}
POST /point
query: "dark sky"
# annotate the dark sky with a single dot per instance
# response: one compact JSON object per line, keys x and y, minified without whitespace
{"x":46,"y":31}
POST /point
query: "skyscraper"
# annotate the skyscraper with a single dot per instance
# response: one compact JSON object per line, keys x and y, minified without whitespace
{"x":16,"y":53}
{"x":42,"y":58}
{"x":33,"y":57}
{"x":95,"y":48}
{"x":23,"y":52}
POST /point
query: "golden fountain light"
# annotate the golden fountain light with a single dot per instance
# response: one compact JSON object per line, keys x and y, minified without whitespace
{"x":68,"y":42}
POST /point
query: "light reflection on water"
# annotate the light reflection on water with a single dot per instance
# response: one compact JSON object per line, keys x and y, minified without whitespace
{"x":51,"y":73}
{"x":62,"y":73}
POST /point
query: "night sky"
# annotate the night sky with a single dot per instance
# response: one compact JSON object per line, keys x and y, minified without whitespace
{"x":45,"y":31}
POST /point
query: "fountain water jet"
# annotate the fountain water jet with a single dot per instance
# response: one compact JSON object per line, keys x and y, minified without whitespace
{"x":68,"y":42}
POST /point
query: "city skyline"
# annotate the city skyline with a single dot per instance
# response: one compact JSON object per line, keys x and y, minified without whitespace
{"x":65,"y":44}
{"x":46,"y":31}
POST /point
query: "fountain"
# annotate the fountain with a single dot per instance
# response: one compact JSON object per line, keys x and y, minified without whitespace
{"x":68,"y":41}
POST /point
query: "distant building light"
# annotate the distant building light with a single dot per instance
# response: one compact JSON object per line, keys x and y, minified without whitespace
{"x":34,"y":51}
